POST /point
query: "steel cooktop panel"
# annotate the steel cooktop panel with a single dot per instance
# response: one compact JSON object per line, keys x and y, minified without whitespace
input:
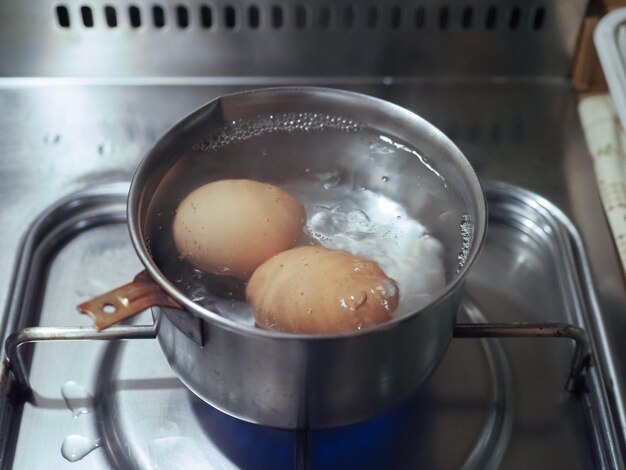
{"x":490,"y":403}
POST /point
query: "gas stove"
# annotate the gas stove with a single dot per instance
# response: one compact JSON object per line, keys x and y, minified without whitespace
{"x":118,"y":404}
{"x":79,"y":121}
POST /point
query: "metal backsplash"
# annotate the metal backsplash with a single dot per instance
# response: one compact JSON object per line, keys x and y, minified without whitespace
{"x":239,"y":39}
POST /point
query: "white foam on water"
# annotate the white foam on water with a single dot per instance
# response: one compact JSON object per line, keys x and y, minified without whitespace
{"x":371,"y":225}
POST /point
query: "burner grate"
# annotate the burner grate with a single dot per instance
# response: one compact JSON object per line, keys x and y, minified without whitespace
{"x":486,"y":396}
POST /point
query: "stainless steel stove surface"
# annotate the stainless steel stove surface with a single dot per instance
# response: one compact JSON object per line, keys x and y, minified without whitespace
{"x":87,"y":88}
{"x":491,"y":403}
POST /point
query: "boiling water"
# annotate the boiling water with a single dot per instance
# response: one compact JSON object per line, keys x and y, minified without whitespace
{"x":363,"y":192}
{"x":369,"y":224}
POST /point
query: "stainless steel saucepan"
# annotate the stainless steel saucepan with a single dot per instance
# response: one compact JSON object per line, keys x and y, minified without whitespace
{"x":294,"y":380}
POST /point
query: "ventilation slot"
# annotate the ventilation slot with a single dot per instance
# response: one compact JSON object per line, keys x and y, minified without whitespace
{"x":467,"y":19}
{"x":348,"y":17}
{"x":230,"y":17}
{"x":182,"y":16}
{"x":110,"y":16}
{"x":254,"y":17}
{"x":444,"y":18}
{"x":134,"y":15}
{"x":420,"y":18}
{"x":396,"y":17}
{"x":491,"y":18}
{"x":325,"y":17}
{"x":87,"y":16}
{"x":63,"y":16}
{"x":372,"y":17}
{"x":206,"y":16}
{"x":495,"y":134}
{"x":277,"y":17}
{"x":514,"y":18}
{"x":301,"y":17}
{"x":158,"y":16}
{"x":539,"y":18}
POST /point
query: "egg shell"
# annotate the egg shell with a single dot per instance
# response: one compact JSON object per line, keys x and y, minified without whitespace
{"x":315,"y":290}
{"x":230,"y":227}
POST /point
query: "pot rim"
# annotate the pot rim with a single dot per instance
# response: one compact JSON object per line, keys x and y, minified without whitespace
{"x":475,"y":188}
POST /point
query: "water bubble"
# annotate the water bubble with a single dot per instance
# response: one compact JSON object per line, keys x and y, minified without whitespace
{"x":466,"y":240}
{"x":381,"y":149}
{"x":354,"y":301}
{"x":385,"y":179}
{"x":244,"y":129}
{"x":198,"y":293}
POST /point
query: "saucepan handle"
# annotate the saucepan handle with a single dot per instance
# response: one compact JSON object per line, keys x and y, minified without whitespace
{"x":125,"y":301}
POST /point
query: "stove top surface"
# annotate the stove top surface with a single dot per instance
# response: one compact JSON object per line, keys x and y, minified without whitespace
{"x":491,"y":403}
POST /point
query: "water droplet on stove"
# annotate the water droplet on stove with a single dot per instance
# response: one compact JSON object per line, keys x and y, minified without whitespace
{"x":78,"y":400}
{"x":385,"y":179}
{"x":75,"y":447}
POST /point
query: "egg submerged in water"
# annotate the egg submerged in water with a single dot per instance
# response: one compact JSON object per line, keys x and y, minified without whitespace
{"x":314,"y":290}
{"x":230,"y":227}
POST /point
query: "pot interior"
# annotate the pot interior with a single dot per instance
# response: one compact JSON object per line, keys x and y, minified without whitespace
{"x":374,"y":178}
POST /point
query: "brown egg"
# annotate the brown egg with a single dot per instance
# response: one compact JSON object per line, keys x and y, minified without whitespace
{"x":312,"y":289}
{"x":230,"y":227}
